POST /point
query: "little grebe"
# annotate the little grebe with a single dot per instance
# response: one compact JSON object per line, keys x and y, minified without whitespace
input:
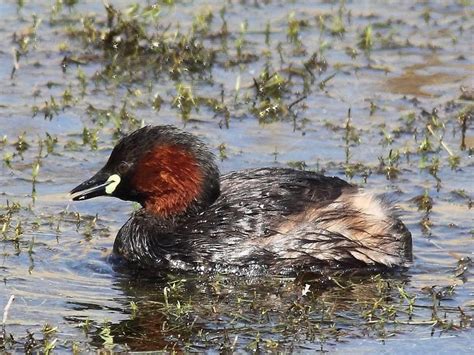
{"x":275,"y":218}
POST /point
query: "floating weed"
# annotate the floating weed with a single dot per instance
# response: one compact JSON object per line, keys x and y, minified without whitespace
{"x":31,"y":247}
{"x":240,"y":41}
{"x":409,"y":299}
{"x":218,"y":107}
{"x":202,"y":22}
{"x":72,"y":146}
{"x":222,"y":151}
{"x":271,"y":89}
{"x":125,"y":121}
{"x":48,"y":330}
{"x":426,"y":15}
{"x":21,"y":145}
{"x":50,"y":143}
{"x":101,"y":116}
{"x":86,"y":325}
{"x":424,"y":202}
{"x":351,"y":137}
{"x":134,"y":50}
{"x":337,"y":27}
{"x":67,"y":98}
{"x":323,"y":83}
{"x":63,"y":47}
{"x":90,"y":228}
{"x":463,"y":265}
{"x":425,"y":145}
{"x":460,"y":194}
{"x":58,"y":6}
{"x":366,"y":41}
{"x":316,"y":62}
{"x":433,"y":167}
{"x":133,"y":309}
{"x":389,"y":165}
{"x":157,"y":102}
{"x":268,"y":111}
{"x":49,"y":346}
{"x":82,"y":79}
{"x":89,"y":137}
{"x":293,"y":31}
{"x":268,"y":31}
{"x":465,"y":116}
{"x":270,"y":85}
{"x":75,"y":348}
{"x":453,"y":160}
{"x":26,"y":37}
{"x":34,"y":176}
{"x":351,"y":52}
{"x":184,"y":101}
{"x":387,"y":138}
{"x":106,"y":335}
{"x":20,"y":4}
{"x":408,"y":124}
{"x":433,"y":119}
{"x":49,"y":109}
{"x":373,"y":108}
{"x":7,"y":159}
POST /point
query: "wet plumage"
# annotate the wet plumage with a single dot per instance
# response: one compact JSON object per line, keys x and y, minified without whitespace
{"x":272,"y":218}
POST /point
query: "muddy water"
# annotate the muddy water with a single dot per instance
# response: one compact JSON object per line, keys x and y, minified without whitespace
{"x":56,"y":254}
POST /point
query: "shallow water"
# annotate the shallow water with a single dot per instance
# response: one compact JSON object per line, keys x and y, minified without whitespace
{"x":55,"y":254}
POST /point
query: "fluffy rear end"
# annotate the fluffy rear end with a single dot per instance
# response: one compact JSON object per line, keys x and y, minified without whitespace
{"x":355,"y":229}
{"x":372,"y":223}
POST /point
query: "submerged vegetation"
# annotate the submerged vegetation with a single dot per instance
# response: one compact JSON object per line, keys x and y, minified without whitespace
{"x":378,"y":96}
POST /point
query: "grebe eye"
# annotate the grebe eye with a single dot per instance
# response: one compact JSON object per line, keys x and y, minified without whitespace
{"x":123,"y":167}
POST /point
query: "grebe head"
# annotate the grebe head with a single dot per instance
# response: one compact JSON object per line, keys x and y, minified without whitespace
{"x":168,"y":171}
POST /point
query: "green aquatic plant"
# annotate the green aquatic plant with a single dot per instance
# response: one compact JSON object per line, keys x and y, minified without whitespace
{"x":67,"y":98}
{"x":83,"y":82}
{"x":293,"y":31}
{"x":409,"y":299}
{"x":133,"y":309}
{"x":373,"y":108}
{"x":202,"y":22}
{"x":322,"y":84}
{"x":465,"y":117}
{"x":222,"y":151}
{"x":134,"y":58}
{"x":184,"y":101}
{"x":49,"y":109}
{"x":48,"y":333}
{"x":366,"y":40}
{"x":240,"y":41}
{"x":106,"y":335}
{"x":270,"y":85}
{"x":390,"y":165}
{"x":338,"y":27}
{"x":426,"y":15}
{"x":34,"y":176}
{"x":21,"y":145}
{"x":50,"y":142}
{"x":90,"y":137}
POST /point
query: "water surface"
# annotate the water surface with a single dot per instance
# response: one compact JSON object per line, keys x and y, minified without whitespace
{"x":409,"y":137}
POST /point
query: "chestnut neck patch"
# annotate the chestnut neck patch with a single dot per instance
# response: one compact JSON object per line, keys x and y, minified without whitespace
{"x":170,"y":178}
